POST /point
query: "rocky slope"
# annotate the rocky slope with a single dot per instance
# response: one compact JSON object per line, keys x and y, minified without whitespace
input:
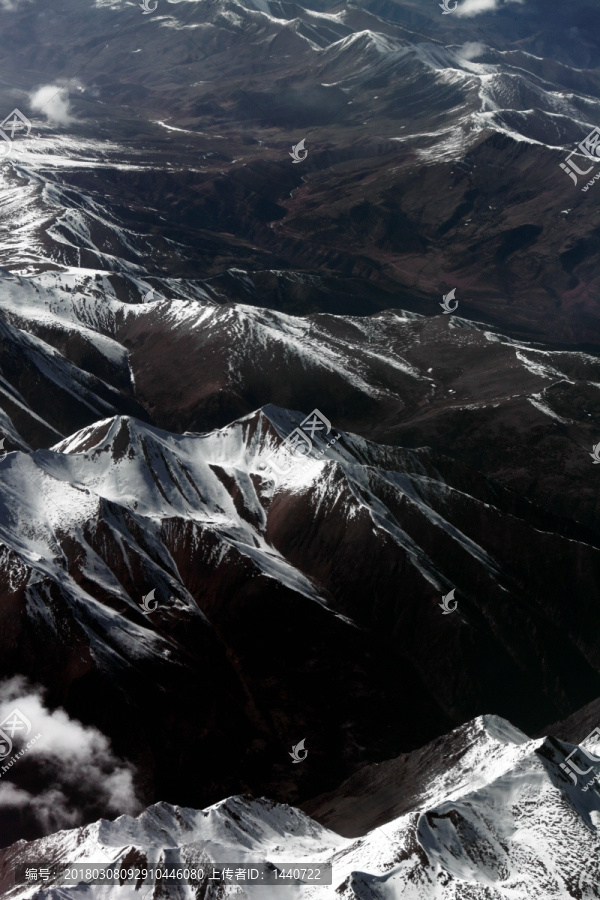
{"x":257,"y":572}
{"x":181,"y":601}
{"x":434,"y":149}
{"x":484,"y":813}
{"x":522,"y":413}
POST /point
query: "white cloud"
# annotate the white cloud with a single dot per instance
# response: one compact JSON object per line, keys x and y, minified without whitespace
{"x":77,"y":761}
{"x":50,"y":809}
{"x":13,"y":797}
{"x":471,"y":50}
{"x":475,"y":7}
{"x":53,"y":101}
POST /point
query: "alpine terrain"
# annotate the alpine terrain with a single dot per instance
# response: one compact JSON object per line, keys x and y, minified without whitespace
{"x":299,"y":445}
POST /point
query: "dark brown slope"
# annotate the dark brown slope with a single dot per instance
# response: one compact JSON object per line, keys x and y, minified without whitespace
{"x":529,"y":418}
{"x":270,"y":628}
{"x":48,"y":394}
{"x":384,"y":791}
{"x":576,"y":727}
{"x":403,"y":188}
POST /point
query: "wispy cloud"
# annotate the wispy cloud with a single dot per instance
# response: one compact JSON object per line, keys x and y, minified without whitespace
{"x":470,"y":50}
{"x":476,"y":7}
{"x":12,"y":4}
{"x":76,"y":761}
{"x":52,"y":100}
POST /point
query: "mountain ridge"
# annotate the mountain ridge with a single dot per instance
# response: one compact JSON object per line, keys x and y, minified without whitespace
{"x":452,"y":837}
{"x":238,"y":554}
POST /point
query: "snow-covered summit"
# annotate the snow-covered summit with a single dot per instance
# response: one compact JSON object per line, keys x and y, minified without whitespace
{"x":507,"y":826}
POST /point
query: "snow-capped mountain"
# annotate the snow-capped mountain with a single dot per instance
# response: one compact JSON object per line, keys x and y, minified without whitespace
{"x":254,"y":565}
{"x":395,"y":377}
{"x":434,"y":153}
{"x":490,"y":816}
{"x":182,"y":601}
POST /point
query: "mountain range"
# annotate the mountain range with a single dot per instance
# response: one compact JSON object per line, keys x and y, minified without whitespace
{"x":421,"y":826}
{"x":260,"y":487}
